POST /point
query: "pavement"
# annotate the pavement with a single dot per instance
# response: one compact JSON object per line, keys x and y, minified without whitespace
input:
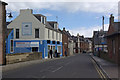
{"x":76,"y":66}
{"x":109,"y":68}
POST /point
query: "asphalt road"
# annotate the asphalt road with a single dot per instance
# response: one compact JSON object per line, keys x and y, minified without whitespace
{"x":77,"y":66}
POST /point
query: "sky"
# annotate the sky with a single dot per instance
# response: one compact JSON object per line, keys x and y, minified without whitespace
{"x":77,"y":16}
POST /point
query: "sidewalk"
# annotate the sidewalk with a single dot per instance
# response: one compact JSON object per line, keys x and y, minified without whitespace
{"x":109,"y":68}
{"x":27,"y":63}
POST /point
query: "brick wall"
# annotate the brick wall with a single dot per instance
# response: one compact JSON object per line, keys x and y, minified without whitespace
{"x":2,"y":31}
{"x":65,"y":46}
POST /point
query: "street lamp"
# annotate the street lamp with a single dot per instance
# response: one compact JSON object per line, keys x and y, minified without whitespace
{"x":10,"y":15}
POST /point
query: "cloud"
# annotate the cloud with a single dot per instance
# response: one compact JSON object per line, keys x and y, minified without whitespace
{"x":87,"y":32}
{"x":72,"y":7}
{"x":61,"y":0}
{"x":47,"y":14}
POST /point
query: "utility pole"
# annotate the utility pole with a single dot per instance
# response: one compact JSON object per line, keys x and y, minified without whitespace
{"x":103,"y":33}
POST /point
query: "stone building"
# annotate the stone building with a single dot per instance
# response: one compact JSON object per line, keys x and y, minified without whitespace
{"x":33,"y":33}
{"x":80,"y":44}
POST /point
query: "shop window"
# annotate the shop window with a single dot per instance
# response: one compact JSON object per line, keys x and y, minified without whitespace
{"x":48,"y":41}
{"x":34,"y":49}
{"x":11,"y":49}
{"x":53,"y":42}
{"x":58,"y":42}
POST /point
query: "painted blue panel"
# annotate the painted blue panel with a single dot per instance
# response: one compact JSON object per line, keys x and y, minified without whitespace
{"x":10,"y":36}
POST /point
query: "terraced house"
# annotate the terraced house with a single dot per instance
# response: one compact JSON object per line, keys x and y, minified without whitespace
{"x":33,"y":33}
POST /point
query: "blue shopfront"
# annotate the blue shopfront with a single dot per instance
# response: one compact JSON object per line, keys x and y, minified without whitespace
{"x":27,"y":46}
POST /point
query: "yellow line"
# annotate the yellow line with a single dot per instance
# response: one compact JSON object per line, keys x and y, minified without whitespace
{"x":99,"y":71}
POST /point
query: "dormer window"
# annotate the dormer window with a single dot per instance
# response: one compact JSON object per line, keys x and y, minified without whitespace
{"x":55,"y":26}
{"x":43,"y":20}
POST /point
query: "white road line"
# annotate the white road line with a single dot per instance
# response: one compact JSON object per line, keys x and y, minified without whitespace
{"x":67,"y":63}
{"x":57,"y":69}
{"x":43,"y":76}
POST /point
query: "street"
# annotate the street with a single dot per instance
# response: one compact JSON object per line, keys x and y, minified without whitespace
{"x":77,"y":66}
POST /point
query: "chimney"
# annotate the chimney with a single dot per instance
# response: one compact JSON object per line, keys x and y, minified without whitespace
{"x":26,"y":11}
{"x":64,"y":29}
{"x":111,"y":19}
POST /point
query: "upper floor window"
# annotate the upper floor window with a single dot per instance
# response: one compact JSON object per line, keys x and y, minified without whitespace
{"x":36,"y":33}
{"x":17,"y":33}
{"x":56,"y":35}
{"x":48,"y":33}
{"x":55,"y":26}
{"x":59,"y":36}
{"x":53,"y":34}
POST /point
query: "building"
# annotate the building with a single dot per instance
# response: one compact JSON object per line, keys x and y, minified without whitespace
{"x":3,"y":29}
{"x":99,"y":42}
{"x":89,"y":45}
{"x":81,"y":44}
{"x":33,"y":33}
{"x":113,"y":39}
{"x":67,"y":42}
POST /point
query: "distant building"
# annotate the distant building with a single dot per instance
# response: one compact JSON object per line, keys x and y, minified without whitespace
{"x":67,"y":42}
{"x":99,"y":42}
{"x":3,"y":29}
{"x":113,"y":39}
{"x":33,"y":33}
{"x":81,"y":44}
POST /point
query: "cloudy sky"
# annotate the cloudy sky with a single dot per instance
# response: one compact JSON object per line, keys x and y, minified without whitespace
{"x":77,"y":16}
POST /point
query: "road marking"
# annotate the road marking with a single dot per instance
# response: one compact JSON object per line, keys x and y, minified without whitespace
{"x":57,"y":69}
{"x":67,"y":63}
{"x":43,"y":76}
{"x":99,"y":71}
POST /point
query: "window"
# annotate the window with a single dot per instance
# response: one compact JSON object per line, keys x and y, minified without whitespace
{"x":34,"y":49}
{"x":113,"y":46}
{"x":36,"y":33}
{"x":17,"y":33}
{"x":53,"y":42}
{"x":44,"y":20}
{"x":55,"y":25}
{"x":53,"y":34}
{"x":60,"y":36}
{"x":56,"y":35}
{"x":48,"y":33}
{"x":11,"y":49}
{"x":48,"y":41}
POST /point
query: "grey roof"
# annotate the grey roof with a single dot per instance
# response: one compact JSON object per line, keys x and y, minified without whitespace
{"x":116,"y":29}
{"x":38,"y":16}
{"x":47,"y":25}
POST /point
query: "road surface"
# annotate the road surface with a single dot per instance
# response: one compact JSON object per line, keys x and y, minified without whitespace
{"x":77,"y":66}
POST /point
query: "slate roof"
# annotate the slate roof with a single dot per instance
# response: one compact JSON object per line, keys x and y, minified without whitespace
{"x":48,"y":24}
{"x":116,"y":28}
